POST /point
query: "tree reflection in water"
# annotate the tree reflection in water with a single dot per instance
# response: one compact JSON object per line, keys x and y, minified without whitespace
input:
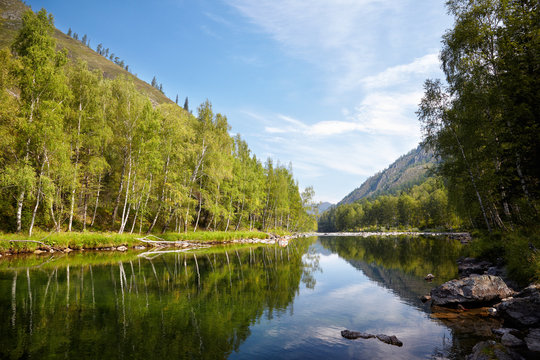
{"x":178,"y":305}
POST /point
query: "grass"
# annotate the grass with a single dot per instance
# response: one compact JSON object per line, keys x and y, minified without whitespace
{"x":95,"y":240}
{"x":518,"y":250}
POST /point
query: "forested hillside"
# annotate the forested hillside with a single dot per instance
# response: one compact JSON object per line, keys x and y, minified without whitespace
{"x":409,"y":170}
{"x":11,"y":13}
{"x":80,"y":151}
{"x":422,"y":206}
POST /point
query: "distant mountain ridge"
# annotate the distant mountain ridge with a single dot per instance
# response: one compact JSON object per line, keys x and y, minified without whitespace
{"x":408,"y":170}
{"x":324,"y":206}
{"x":11,"y":12}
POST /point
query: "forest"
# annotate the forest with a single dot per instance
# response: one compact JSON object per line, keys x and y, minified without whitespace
{"x":422,"y":206}
{"x":81,"y":152}
{"x":482,"y":123}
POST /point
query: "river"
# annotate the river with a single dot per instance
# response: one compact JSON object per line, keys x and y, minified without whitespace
{"x":240,"y":302}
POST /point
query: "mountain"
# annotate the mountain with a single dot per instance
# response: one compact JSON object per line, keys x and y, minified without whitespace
{"x":11,"y":12}
{"x":324,"y":206}
{"x":409,"y":170}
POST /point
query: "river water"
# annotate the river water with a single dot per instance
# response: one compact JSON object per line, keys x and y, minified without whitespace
{"x":265,"y":302}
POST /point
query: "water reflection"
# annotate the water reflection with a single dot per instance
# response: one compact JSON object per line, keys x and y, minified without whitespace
{"x":173,"y":306}
{"x":233,"y":302}
{"x":400,"y":265}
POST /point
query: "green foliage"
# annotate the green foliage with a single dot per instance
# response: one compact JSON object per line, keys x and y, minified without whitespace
{"x":83,"y":152}
{"x":484,"y":123}
{"x":423,"y":206}
{"x":519,"y":251}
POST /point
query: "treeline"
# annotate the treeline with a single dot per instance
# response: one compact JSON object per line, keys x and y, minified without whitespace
{"x":100,"y":49}
{"x":484,"y":121}
{"x":423,"y":206}
{"x":80,"y":152}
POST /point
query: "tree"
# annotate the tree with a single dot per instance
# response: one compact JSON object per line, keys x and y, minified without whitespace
{"x":69,"y":33}
{"x":41,"y":82}
{"x":186,"y":104}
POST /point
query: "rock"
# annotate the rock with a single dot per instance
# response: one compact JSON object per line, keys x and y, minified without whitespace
{"x":139,"y":247}
{"x":492,"y":311}
{"x":429,"y":277}
{"x":533,"y":340}
{"x":469,"y":266}
{"x":122,"y":248}
{"x":38,"y":251}
{"x":67,"y":250}
{"x":488,"y":350}
{"x":511,"y":341}
{"x":522,"y":310}
{"x":470,"y":290}
{"x":392,"y":340}
{"x":425,"y":298}
{"x":355,"y":335}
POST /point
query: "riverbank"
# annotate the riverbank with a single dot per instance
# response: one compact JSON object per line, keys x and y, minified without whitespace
{"x":64,"y":241}
{"x":464,"y":237}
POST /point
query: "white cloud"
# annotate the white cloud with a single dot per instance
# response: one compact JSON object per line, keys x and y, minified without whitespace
{"x":398,"y":75}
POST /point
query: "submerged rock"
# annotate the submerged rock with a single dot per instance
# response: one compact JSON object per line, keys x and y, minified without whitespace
{"x":122,"y":248}
{"x":356,"y":334}
{"x":425,"y":298}
{"x":522,"y":310}
{"x":392,"y":339}
{"x":477,"y":289}
{"x":429,"y":277}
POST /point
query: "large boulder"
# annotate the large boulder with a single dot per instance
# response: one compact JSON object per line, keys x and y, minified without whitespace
{"x":523,"y":310}
{"x":473,"y":290}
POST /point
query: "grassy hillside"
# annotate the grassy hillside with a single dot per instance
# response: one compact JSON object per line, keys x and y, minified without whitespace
{"x":10,"y":22}
{"x":409,"y":170}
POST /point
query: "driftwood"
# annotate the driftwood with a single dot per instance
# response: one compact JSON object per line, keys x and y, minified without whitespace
{"x":160,"y":242}
{"x":392,"y":340}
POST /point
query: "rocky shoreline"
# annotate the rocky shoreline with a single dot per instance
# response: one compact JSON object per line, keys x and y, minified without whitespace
{"x":499,"y":309}
{"x":148,"y":243}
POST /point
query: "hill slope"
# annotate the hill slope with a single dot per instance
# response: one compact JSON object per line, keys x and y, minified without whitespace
{"x":11,"y":12}
{"x":410,"y":169}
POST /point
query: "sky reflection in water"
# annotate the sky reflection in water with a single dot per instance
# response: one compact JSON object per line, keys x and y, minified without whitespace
{"x":238,"y":303}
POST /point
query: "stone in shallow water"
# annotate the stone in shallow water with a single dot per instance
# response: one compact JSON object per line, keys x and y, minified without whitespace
{"x":533,"y":340}
{"x":392,"y":340}
{"x":473,"y":289}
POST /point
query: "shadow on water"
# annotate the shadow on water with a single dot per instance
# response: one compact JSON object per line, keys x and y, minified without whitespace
{"x":114,"y":306}
{"x":400,"y":264}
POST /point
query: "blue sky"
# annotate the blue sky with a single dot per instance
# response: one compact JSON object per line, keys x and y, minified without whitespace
{"x":329,"y":85}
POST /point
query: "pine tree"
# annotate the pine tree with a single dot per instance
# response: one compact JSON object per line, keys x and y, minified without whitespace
{"x":69,"y":33}
{"x":176,"y":99}
{"x":186,"y":105}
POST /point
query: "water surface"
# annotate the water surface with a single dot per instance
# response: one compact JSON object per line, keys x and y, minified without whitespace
{"x":239,"y":303}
